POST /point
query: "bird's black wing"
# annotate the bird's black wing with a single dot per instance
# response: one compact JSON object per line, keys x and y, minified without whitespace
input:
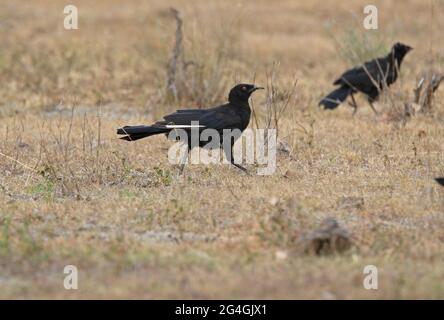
{"x":184,"y":117}
{"x":366,"y":75}
{"x":220,"y":118}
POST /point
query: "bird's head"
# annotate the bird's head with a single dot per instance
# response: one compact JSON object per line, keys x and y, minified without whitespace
{"x":242,"y":92}
{"x":400,"y":50}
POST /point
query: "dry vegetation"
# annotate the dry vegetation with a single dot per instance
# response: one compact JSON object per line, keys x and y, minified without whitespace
{"x":70,"y":193}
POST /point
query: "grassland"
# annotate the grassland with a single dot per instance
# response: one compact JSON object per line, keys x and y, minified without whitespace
{"x":72,"y":194}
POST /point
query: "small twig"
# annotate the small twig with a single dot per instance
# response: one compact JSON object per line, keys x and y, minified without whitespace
{"x":19,"y":162}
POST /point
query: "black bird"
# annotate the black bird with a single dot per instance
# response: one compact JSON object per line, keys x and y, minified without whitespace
{"x":370,"y":79}
{"x":440,"y":181}
{"x":233,"y":115}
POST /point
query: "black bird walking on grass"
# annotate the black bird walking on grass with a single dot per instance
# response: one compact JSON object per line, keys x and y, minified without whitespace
{"x":233,"y":115}
{"x":370,"y":79}
{"x":440,"y":181}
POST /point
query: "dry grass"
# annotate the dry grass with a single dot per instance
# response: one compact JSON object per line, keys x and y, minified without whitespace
{"x":119,"y":212}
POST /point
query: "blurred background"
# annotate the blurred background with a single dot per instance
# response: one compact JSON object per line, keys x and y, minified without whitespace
{"x":120,"y":53}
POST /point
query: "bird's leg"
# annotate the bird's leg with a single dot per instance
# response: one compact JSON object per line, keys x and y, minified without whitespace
{"x":183,"y":161}
{"x":370,"y":102}
{"x":231,"y":158}
{"x":354,"y":104}
{"x":181,"y":168}
{"x":239,"y":166}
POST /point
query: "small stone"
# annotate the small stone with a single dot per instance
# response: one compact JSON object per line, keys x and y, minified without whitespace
{"x":328,"y":239}
{"x":290,"y":173}
{"x":281,"y":255}
{"x":274,"y":201}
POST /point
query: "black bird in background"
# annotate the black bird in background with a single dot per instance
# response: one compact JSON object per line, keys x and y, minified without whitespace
{"x":440,"y":181}
{"x":370,"y":79}
{"x":233,"y":115}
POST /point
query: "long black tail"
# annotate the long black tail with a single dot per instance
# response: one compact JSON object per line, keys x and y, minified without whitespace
{"x":335,"y":98}
{"x":440,"y":181}
{"x":133,"y":133}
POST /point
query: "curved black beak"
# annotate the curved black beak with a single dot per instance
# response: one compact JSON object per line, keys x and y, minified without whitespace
{"x":256,"y":88}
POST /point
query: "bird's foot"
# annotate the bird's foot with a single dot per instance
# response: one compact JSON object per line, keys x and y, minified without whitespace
{"x":355,"y":108}
{"x":373,"y":108}
{"x":240,"y":167}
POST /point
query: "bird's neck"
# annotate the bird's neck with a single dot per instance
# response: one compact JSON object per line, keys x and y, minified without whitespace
{"x":243,"y":110}
{"x":239,"y":103}
{"x":397,"y":57}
